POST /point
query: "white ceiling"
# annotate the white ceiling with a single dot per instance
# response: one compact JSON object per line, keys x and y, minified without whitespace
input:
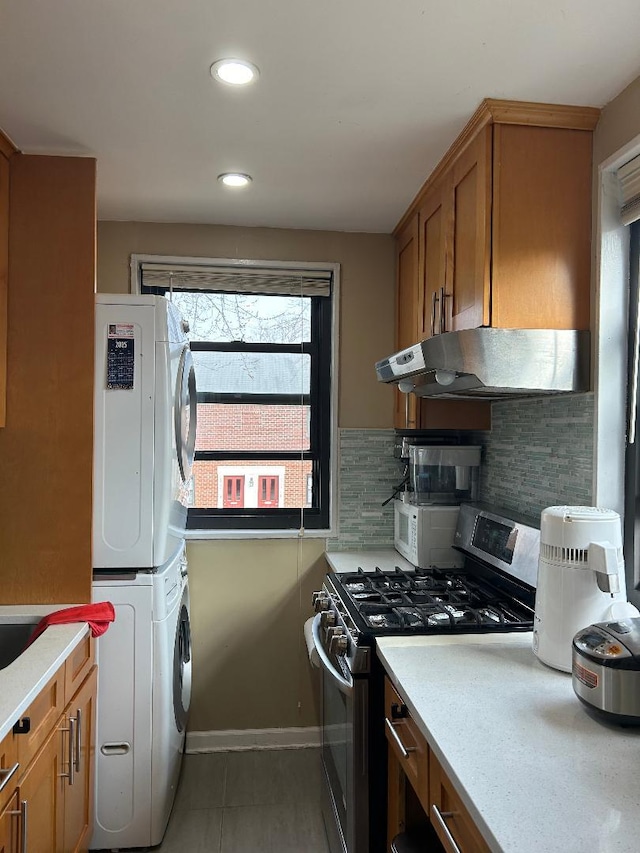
{"x":356,"y":102}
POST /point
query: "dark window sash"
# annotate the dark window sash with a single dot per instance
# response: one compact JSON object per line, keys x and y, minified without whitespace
{"x":632,"y":454}
{"x":319,"y":348}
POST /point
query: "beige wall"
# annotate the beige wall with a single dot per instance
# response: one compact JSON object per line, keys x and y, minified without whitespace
{"x":366,"y":301}
{"x":250,"y":598}
{"x":619,"y":123}
{"x":249,"y":602}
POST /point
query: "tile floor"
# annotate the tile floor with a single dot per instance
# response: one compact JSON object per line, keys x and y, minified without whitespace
{"x":248,"y":802}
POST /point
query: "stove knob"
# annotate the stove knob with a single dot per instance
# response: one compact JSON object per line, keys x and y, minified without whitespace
{"x":328,"y":619}
{"x":338,"y":644}
{"x":320,"y":601}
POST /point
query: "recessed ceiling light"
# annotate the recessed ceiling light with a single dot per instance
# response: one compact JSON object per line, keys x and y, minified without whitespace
{"x":235,"y":179}
{"x":235,"y":72}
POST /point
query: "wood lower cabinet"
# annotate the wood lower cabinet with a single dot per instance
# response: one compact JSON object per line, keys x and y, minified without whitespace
{"x":47,"y":804}
{"x":78,"y":794}
{"x":422,"y":804}
{"x":449,"y":817}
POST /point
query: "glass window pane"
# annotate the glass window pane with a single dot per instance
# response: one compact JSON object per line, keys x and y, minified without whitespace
{"x":245,"y":317}
{"x":252,"y":372}
{"x":243,"y":484}
{"x":246,"y":427}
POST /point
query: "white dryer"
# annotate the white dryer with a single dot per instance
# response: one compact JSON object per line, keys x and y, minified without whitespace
{"x":144,"y":690}
{"x":144,"y":433}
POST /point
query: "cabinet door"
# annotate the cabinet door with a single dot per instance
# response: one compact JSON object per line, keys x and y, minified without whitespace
{"x":78,"y":803}
{"x":450,"y":818}
{"x":467,"y":304}
{"x":42,"y":789}
{"x":435,"y":226}
{"x":4,"y":276}
{"x":407,"y":313}
{"x":10,"y":826}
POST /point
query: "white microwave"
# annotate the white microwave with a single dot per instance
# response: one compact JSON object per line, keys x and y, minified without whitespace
{"x":424,"y":534}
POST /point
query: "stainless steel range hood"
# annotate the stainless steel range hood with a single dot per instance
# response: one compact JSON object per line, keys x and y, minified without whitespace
{"x":492,"y":364}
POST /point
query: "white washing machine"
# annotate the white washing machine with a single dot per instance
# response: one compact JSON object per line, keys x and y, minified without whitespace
{"x":144,"y":691}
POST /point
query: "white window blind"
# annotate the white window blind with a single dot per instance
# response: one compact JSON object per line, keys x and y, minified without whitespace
{"x":247,"y":279}
{"x":629,"y":178}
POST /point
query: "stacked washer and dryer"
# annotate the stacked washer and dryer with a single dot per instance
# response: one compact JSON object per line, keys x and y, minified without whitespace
{"x":144,"y":438}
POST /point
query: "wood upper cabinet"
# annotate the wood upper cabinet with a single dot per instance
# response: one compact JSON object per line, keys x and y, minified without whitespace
{"x":505,"y":222}
{"x":466,"y":302}
{"x":407,"y":311}
{"x":4,"y":272}
{"x":434,"y":216}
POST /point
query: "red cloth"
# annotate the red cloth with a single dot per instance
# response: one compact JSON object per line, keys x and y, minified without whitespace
{"x":97,"y":616}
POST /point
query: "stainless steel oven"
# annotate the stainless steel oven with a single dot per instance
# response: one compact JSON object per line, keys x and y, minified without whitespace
{"x":345,"y":737}
{"x":493,"y":591}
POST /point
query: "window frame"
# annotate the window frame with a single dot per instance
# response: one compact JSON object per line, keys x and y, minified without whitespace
{"x":217,"y":522}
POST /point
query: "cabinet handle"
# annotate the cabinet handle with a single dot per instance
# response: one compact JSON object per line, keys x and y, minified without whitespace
{"x":434,"y":300}
{"x":405,"y":750}
{"x":22,"y":814}
{"x":440,"y":819}
{"x":6,"y":774}
{"x":443,"y":313}
{"x":71,"y":749}
{"x":78,"y":738}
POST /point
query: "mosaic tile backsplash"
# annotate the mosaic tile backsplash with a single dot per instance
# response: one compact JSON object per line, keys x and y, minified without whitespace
{"x":368,"y":473}
{"x":539,"y":453}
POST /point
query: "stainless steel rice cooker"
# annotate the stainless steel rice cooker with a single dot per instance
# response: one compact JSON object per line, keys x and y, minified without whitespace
{"x":606,"y":670}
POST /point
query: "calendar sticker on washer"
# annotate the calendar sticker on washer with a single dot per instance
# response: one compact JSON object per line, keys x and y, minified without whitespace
{"x":120,"y":356}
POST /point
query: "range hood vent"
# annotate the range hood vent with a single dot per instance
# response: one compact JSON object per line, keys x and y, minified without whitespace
{"x":492,"y":364}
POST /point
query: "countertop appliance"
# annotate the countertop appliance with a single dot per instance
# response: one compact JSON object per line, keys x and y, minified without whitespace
{"x":493,"y":591}
{"x":144,"y":434}
{"x":424,"y":534}
{"x":492,"y":364}
{"x":606,"y":670}
{"x":581,"y":578}
{"x":145,"y":428}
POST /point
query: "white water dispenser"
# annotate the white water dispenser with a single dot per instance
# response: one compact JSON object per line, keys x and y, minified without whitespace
{"x":581,"y":578}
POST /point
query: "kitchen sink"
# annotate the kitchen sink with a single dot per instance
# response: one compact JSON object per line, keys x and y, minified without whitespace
{"x":13,"y":638}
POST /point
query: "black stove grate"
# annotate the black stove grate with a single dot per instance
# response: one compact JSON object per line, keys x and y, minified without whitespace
{"x":431,"y":601}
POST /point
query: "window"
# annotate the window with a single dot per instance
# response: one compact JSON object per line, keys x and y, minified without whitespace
{"x":632,"y":462}
{"x":261,"y":338}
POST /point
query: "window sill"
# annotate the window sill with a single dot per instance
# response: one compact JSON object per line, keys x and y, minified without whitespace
{"x":258,"y":534}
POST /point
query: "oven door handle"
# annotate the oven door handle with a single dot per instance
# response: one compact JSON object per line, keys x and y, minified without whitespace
{"x":343,"y":685}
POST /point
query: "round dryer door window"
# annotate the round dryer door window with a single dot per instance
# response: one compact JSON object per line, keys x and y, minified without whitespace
{"x":186,"y":414}
{"x":182,"y":667}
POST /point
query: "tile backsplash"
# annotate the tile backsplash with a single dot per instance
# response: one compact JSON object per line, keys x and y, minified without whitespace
{"x":538,"y":453}
{"x":367,"y":472}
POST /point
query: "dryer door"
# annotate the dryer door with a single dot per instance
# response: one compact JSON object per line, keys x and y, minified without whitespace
{"x":182,"y":665}
{"x":186,"y":413}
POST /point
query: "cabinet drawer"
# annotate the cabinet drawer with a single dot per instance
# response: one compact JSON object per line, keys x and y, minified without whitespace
{"x":8,"y":760}
{"x":407,"y":742}
{"x":450,"y":818}
{"x":78,"y":666}
{"x":43,"y":714}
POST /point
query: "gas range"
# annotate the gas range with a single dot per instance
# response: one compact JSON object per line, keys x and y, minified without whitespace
{"x":493,"y":592}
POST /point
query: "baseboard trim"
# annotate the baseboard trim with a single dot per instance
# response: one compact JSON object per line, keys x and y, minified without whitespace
{"x":231,"y":740}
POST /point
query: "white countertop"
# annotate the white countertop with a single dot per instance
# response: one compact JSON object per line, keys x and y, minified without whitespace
{"x":21,"y":681}
{"x":537,"y":773}
{"x":351,"y":561}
